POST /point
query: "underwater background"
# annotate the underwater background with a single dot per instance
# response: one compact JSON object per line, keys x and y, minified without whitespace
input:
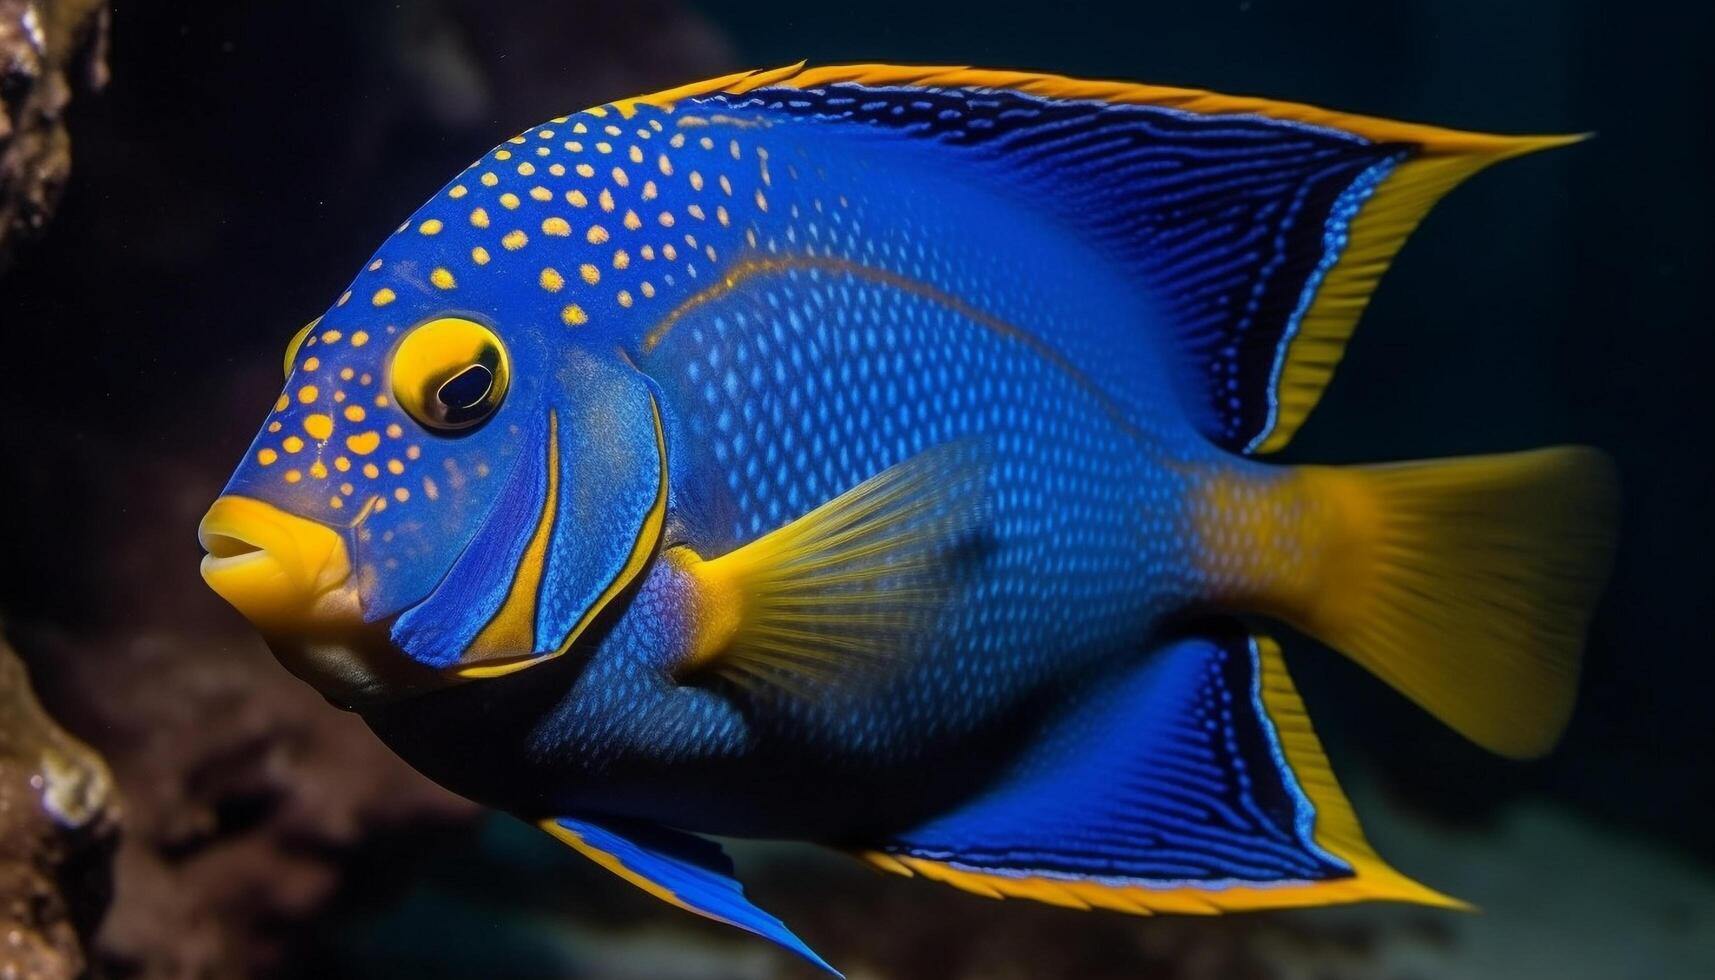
{"x":232,"y":163}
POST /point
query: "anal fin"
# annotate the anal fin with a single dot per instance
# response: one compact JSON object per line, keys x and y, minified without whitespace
{"x":678,"y":868}
{"x":1192,"y":784}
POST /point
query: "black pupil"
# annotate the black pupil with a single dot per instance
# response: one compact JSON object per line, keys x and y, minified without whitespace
{"x":466,"y":390}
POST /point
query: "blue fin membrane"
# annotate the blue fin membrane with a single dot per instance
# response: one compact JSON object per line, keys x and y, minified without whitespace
{"x":679,"y":868}
{"x":1191,"y":784}
{"x":1258,"y":227}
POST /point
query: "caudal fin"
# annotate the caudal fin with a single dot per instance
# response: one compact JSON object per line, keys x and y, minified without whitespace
{"x":1466,"y":584}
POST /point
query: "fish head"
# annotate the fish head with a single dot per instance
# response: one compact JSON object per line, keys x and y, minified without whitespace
{"x":452,"y":484}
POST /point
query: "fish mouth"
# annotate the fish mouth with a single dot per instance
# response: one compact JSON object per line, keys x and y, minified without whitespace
{"x":283,"y":572}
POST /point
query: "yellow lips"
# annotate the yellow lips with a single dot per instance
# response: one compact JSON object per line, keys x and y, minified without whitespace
{"x":275,"y":568}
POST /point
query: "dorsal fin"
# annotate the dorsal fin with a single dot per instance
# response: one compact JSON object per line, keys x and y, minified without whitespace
{"x":1259,"y":227}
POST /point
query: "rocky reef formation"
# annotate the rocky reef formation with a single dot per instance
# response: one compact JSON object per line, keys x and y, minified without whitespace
{"x":49,"y":50}
{"x":58,"y":829}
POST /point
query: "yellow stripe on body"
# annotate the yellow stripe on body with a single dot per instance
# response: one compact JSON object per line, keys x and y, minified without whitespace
{"x":739,"y":272}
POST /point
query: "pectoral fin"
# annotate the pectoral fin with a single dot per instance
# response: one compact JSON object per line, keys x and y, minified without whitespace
{"x":849,"y":587}
{"x":678,"y":868}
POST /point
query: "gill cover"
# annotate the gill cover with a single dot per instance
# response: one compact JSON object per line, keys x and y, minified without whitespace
{"x":579,"y":519}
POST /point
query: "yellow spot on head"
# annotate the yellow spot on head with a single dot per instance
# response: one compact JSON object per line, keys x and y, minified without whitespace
{"x":696,"y":181}
{"x":443,"y":279}
{"x":354,"y":413}
{"x":558,"y":227}
{"x":318,"y":426}
{"x":604,"y":147}
{"x":541,"y":193}
{"x":636,"y":154}
{"x":274,"y":426}
{"x":313,"y":364}
{"x":430,"y":227}
{"x":307,"y":394}
{"x":430,"y":490}
{"x":574,"y":316}
{"x":624,"y":298}
{"x":632,"y":221}
{"x":726,"y":185}
{"x":761,"y":200}
{"x":576,"y":199}
{"x":551,"y":280}
{"x":573,"y":146}
{"x":649,"y":190}
{"x":621,"y":178}
{"x":292,"y":444}
{"x":648,"y":289}
{"x":664,"y":165}
{"x":412,"y":452}
{"x":509,"y":200}
{"x":401,"y":494}
{"x":330,"y":336}
{"x":707,"y":143}
{"x":666,"y":219}
{"x":590,"y":273}
{"x":293,"y":476}
{"x":371,"y":471}
{"x":344,"y":298}
{"x":597,"y":235}
{"x":394,"y":431}
{"x":489,"y":180}
{"x":605,"y":199}
{"x":585,"y":170}
{"x":514,"y":241}
{"x":373,"y":266}
{"x":557,"y":169}
{"x":341,"y":463}
{"x":335,"y":503}
{"x":395,"y":467}
{"x":383,"y":296}
{"x":281,"y":403}
{"x":318,"y":470}
{"x":648,"y":253}
{"x":620,"y":259}
{"x":479,"y":218}
{"x":526,"y":169}
{"x":695,"y":211}
{"x":503,"y":154}
{"x":362,"y":443}
{"x":266,"y":456}
{"x":479,"y":255}
{"x":359,"y":338}
{"x":544,"y":134}
{"x":346,"y":374}
{"x":458,"y":191}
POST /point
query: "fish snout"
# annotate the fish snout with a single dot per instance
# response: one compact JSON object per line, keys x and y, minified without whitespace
{"x":278,"y":569}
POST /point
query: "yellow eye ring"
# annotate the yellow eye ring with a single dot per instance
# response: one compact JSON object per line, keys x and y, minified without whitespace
{"x":298,"y":342}
{"x":450,"y":374}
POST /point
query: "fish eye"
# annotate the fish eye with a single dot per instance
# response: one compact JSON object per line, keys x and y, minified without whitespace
{"x":298,"y":342}
{"x":450,"y":374}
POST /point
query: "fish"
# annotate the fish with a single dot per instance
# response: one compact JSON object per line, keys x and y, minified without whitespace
{"x":876,"y":457}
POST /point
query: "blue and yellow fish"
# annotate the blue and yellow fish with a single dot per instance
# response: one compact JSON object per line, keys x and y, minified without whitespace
{"x":869,"y":456}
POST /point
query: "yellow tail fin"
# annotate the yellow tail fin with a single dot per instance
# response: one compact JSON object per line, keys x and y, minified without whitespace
{"x":1467,"y":584}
